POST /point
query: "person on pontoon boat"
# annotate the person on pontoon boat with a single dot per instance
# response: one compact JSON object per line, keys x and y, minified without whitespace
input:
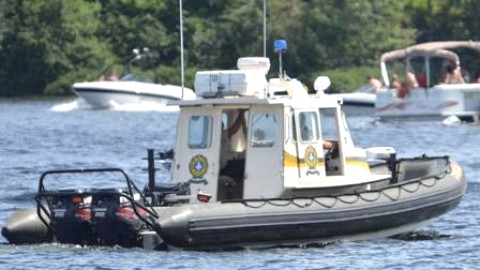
{"x":374,"y":83}
{"x":453,"y":74}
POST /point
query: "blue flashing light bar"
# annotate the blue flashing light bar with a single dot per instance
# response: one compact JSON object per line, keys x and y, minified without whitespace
{"x":280,"y":45}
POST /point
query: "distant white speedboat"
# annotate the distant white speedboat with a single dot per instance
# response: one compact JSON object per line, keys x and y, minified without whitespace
{"x":358,"y":103}
{"x":129,"y":89}
{"x":429,"y":93}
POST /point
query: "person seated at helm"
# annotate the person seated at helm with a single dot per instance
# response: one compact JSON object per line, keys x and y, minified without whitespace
{"x":330,"y":151}
{"x":329,"y":145}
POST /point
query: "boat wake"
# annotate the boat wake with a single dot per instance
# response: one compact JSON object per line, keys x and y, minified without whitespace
{"x":145,"y":106}
{"x":139,"y":107}
{"x":451,"y":120}
{"x":66,"y":107}
{"x":421,"y":235}
{"x":319,"y":244}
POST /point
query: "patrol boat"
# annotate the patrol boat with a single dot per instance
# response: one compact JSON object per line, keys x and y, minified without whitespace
{"x":256,"y":163}
{"x":275,"y":165}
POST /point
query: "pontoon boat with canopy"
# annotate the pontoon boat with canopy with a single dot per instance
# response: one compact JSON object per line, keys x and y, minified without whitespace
{"x":427,"y":95}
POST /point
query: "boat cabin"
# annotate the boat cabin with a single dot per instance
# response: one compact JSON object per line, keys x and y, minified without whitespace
{"x":245,"y":137}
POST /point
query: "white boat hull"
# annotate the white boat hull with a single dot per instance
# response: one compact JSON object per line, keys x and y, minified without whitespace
{"x":438,"y":102}
{"x":358,"y":104}
{"x":106,"y":94}
{"x":383,"y":212}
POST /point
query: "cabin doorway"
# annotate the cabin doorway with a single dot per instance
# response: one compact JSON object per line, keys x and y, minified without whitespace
{"x":232,"y":154}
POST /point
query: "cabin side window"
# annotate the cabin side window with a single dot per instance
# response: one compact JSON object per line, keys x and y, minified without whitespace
{"x":308,"y":126}
{"x":264,"y":130}
{"x":200,"y":132}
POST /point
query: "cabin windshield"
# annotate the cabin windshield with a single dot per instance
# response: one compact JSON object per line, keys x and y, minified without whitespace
{"x":200,"y":132}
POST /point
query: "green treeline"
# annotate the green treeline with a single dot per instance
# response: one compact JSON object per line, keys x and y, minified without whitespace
{"x":46,"y":45}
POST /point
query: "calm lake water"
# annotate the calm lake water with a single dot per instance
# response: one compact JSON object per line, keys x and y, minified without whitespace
{"x":36,"y":136}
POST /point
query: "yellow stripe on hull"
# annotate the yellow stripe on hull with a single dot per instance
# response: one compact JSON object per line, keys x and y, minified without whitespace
{"x":290,"y":160}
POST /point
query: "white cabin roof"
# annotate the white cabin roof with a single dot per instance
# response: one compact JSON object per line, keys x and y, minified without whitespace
{"x":325,"y":101}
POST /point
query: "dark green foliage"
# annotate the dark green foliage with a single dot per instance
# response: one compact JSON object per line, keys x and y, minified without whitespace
{"x":445,"y":19}
{"x":46,"y":45}
{"x":45,"y":41}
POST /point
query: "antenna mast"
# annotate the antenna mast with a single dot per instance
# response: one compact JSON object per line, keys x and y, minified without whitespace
{"x":264,"y":28}
{"x":181,"y":45}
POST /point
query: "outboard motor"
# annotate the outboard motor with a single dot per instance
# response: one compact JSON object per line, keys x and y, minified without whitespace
{"x":118,"y":217}
{"x":71,"y":216}
{"x":83,"y":216}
